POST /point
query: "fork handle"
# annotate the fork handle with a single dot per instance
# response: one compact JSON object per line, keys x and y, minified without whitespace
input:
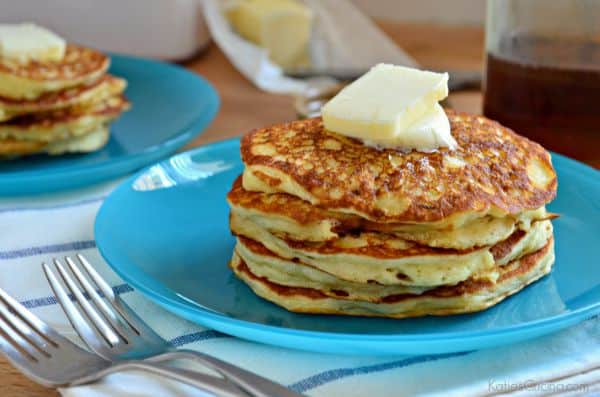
{"x":256,"y":385}
{"x":207,"y":383}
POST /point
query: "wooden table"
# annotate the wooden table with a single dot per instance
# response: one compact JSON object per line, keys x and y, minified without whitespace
{"x":244,"y":107}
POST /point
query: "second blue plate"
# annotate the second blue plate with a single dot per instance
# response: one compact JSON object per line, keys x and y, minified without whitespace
{"x":170,"y":106}
{"x":165,"y":231}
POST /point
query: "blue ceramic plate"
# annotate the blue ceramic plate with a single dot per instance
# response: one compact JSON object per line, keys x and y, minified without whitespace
{"x":165,"y":231}
{"x":170,"y":106}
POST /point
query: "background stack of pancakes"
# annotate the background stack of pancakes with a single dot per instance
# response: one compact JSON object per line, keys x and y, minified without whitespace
{"x":325,"y":224}
{"x":58,"y":107}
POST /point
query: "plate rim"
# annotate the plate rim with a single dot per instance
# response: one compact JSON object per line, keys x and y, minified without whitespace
{"x":172,"y":301}
{"x":20,"y":182}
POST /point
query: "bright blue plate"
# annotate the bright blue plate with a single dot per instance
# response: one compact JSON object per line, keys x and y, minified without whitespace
{"x":170,"y":106}
{"x":165,"y":231}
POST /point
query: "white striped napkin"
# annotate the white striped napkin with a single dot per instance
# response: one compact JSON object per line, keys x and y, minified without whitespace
{"x":34,"y":229}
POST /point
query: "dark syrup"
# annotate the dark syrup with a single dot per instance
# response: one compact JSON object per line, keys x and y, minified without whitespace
{"x":548,"y":91}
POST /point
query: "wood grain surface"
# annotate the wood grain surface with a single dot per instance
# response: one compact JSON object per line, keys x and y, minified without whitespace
{"x":244,"y":107}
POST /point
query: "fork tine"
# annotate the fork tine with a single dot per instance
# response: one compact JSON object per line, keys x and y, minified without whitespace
{"x":103,"y":285}
{"x":149,"y":343}
{"x":87,"y":333}
{"x":70,"y":365}
{"x":115,"y":301}
{"x":11,"y":352}
{"x":109,"y":314}
{"x":55,"y":339}
{"x":19,"y":342}
{"x":98,"y":322}
{"x":21,"y":326}
{"x":42,"y":328}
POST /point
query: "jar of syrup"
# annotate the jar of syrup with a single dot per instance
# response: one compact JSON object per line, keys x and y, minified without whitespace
{"x":543,"y":72}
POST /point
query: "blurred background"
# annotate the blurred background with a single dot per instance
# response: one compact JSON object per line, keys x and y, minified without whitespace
{"x":543,"y":58}
{"x":176,"y":28}
{"x":471,"y":12}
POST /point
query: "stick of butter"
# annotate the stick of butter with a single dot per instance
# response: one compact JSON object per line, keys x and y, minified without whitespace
{"x":392,"y":106}
{"x":427,"y":134}
{"x":26,"y":41}
{"x":283,"y":27}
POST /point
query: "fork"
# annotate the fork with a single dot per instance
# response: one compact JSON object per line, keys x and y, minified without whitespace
{"x":115,"y":332}
{"x":52,"y":360}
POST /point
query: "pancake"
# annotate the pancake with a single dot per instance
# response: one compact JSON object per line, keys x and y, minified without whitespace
{"x":93,"y":140}
{"x":89,"y":142}
{"x":294,"y":273}
{"x":63,"y":124}
{"x":11,"y":147}
{"x":494,"y":172}
{"x":465,"y":297}
{"x":389,"y":260}
{"x":30,"y":80}
{"x":86,"y":94}
{"x":284,"y":214}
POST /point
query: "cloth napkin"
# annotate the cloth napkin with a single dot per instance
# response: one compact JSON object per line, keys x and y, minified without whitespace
{"x":36,"y":229}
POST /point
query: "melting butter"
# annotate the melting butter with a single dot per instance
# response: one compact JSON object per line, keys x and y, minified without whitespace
{"x":26,"y":41}
{"x":427,"y":134}
{"x":393,"y":107}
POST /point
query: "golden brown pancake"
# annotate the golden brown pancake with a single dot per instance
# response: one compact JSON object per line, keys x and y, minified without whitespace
{"x":97,"y":91}
{"x":326,"y":224}
{"x":11,"y":148}
{"x":376,"y":257}
{"x":465,"y":297}
{"x":295,"y":273}
{"x":63,"y":123}
{"x":284,"y":214}
{"x":493,"y":172}
{"x":29,"y":80}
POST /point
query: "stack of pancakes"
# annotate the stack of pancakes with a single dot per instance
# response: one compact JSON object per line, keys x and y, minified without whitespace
{"x":325,"y":224}
{"x":58,"y":107}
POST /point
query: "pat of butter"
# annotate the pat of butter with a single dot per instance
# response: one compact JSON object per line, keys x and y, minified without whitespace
{"x":24,"y":42}
{"x":283,"y":27}
{"x":392,"y":106}
{"x":427,"y":134}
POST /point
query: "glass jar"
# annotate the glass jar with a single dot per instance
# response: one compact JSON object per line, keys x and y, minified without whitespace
{"x":543,"y":72}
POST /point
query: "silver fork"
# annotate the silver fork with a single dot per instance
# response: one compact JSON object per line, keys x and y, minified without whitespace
{"x":52,"y":360}
{"x":111,"y":329}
